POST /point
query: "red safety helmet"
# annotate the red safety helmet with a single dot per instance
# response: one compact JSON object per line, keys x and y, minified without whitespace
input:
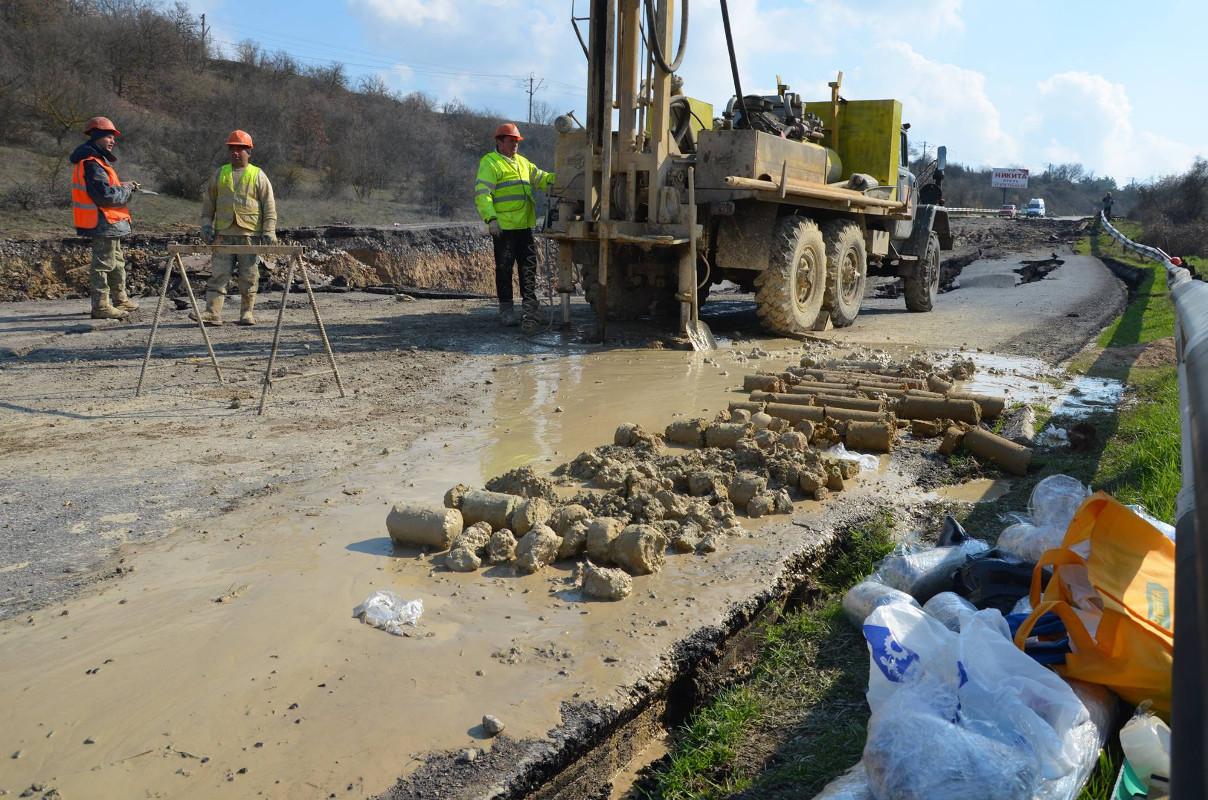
{"x":508,"y":129}
{"x":240,"y":139}
{"x":101,"y":124}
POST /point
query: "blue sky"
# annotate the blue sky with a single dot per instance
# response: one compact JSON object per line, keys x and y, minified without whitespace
{"x":1020,"y":83}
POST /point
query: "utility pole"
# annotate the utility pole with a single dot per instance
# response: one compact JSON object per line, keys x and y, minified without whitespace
{"x":534,"y":86}
{"x":204,"y":32}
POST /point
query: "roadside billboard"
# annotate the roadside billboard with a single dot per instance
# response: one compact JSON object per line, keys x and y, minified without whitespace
{"x":1008,"y":178}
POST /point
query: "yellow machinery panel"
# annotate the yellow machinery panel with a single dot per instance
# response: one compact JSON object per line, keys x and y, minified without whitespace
{"x":701,"y":117}
{"x":869,"y":136}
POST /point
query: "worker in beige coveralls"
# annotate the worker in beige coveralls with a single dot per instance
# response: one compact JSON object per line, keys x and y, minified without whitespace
{"x":237,"y":207}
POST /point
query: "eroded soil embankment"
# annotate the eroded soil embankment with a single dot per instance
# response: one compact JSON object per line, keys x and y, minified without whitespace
{"x":449,"y":256}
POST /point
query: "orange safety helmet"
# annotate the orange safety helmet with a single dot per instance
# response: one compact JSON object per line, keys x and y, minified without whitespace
{"x":508,"y":129}
{"x":101,"y":124}
{"x":240,"y":138}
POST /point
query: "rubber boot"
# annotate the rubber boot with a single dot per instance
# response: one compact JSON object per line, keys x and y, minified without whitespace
{"x":507,"y":316}
{"x":122,"y":300}
{"x":213,"y":313}
{"x":247,"y":301}
{"x":103,"y":309}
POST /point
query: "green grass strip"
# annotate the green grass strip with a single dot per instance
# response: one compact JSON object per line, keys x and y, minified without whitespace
{"x":801,"y":718}
{"x":1141,"y":462}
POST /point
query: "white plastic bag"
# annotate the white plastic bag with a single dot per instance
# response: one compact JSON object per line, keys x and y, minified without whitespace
{"x":950,"y":609}
{"x":964,"y":715}
{"x":1028,"y":541}
{"x":1145,"y":740}
{"x":861,"y":599}
{"x":851,"y":785}
{"x":1055,"y":500}
{"x":865,"y":460}
{"x":386,"y":610}
{"x":1051,"y":508}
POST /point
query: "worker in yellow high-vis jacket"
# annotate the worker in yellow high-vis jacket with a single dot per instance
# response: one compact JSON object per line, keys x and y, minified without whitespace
{"x":503,"y":194}
{"x":237,"y":207}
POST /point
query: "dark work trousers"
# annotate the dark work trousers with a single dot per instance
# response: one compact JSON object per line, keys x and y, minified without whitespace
{"x":517,"y":247}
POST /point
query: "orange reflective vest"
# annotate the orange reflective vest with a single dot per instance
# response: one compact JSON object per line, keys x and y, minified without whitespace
{"x":83,"y":210}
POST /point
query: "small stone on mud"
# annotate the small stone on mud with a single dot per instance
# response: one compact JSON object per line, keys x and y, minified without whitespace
{"x":462,"y":559}
{"x":467,"y":755}
{"x":502,"y":547}
{"x":603,"y":583}
{"x":492,"y":725}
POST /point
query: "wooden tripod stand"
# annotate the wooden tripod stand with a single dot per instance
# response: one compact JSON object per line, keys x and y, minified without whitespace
{"x":295,"y":262}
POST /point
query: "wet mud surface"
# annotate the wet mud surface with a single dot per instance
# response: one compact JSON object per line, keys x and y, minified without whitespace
{"x":177,"y":575}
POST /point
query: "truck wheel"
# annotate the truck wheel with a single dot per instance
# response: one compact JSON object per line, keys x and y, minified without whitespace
{"x":922,"y":286}
{"x":846,"y":271}
{"x":789,"y":292}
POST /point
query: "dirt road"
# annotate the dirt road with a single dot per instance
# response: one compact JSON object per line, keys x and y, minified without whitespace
{"x":213,"y":653}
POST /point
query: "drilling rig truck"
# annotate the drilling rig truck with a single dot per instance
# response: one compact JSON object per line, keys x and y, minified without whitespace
{"x":796,"y":201}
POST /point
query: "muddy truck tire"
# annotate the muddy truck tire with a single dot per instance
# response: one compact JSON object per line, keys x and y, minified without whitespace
{"x":922,"y":285}
{"x":789,"y":293}
{"x":846,"y":271}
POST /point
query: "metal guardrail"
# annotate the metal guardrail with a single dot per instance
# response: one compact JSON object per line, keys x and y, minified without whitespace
{"x":1189,"y":730}
{"x":990,"y":212}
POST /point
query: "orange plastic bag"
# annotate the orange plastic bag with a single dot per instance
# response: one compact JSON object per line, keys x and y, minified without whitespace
{"x":1117,"y":604}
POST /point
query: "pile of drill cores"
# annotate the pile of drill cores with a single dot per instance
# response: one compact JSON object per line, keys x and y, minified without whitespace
{"x":867,"y":404}
{"x":683,"y":490}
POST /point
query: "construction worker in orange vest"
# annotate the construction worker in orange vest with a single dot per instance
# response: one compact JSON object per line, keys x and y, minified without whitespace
{"x":503,"y":195}
{"x":237,"y":207}
{"x":98,"y":210}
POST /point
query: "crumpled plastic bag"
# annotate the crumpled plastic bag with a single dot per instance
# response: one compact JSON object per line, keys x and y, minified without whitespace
{"x":959,"y":715}
{"x":1051,"y":507}
{"x":1055,"y":500}
{"x":867,"y":461}
{"x":923,"y":571}
{"x":386,"y":610}
{"x":861,"y":599}
{"x":952,"y":610}
{"x":851,"y":785}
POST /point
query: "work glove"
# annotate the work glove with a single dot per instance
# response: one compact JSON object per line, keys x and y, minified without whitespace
{"x":207,"y":233}
{"x":493,"y":228}
{"x":268,"y":237}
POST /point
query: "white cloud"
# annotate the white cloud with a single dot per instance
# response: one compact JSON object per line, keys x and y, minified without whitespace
{"x":1090,"y":120}
{"x":946,"y":104}
{"x":410,"y":12}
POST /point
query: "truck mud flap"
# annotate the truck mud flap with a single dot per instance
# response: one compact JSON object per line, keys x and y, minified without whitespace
{"x":924,"y":219}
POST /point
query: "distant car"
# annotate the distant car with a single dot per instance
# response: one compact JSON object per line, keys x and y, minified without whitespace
{"x":1007,"y":210}
{"x":1034,"y":208}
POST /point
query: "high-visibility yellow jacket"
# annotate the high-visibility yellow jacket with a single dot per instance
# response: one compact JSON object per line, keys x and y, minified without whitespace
{"x":248,"y":205}
{"x":504,"y":190}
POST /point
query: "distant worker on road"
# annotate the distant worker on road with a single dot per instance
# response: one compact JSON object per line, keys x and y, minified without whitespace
{"x":503,"y":194}
{"x":98,"y":210}
{"x":1107,"y":206}
{"x":237,"y":207}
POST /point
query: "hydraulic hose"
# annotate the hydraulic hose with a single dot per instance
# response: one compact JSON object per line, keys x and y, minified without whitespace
{"x":656,"y":47}
{"x":742,"y":104}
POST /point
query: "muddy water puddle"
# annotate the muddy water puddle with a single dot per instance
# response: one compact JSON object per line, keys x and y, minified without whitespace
{"x":1030,"y":380}
{"x":228,"y":665}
